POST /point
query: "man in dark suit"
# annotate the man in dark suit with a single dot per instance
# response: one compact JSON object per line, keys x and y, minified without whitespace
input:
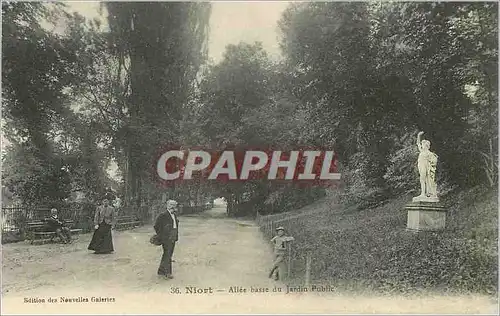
{"x":166,"y":227}
{"x":57,"y":225}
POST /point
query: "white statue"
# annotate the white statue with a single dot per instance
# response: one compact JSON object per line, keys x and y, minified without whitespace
{"x":427,"y":162}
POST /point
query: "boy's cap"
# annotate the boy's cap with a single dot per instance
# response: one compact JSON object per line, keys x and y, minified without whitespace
{"x":280,"y":228}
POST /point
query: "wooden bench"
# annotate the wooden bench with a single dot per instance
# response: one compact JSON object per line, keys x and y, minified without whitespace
{"x":39,"y":231}
{"x":127,"y":222}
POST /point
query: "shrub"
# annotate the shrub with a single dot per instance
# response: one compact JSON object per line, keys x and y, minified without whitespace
{"x":362,"y":187}
{"x":402,"y":174}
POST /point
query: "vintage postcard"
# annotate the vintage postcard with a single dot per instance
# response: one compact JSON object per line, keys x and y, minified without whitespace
{"x":249,"y":157}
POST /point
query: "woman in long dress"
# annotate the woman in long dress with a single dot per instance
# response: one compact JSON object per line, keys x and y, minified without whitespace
{"x":104,"y":221}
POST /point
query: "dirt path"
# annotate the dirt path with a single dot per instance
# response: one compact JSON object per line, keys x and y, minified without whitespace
{"x":214,"y":253}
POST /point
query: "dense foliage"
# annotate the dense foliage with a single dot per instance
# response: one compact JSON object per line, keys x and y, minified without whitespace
{"x":409,"y":67}
{"x":78,"y":100}
{"x":364,"y":79}
{"x":40,"y":68}
{"x":361,"y":78}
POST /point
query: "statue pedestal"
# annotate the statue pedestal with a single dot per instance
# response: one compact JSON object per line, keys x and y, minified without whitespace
{"x":425,"y":216}
{"x":433,"y":199}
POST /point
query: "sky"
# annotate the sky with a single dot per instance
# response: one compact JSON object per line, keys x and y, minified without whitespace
{"x":233,"y":22}
{"x":230,"y":23}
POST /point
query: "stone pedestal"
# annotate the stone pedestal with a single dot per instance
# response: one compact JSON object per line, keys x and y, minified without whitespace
{"x":432,"y":199}
{"x":425,"y":216}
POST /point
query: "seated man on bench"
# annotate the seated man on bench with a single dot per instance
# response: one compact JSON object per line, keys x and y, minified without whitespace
{"x":56,"y":225}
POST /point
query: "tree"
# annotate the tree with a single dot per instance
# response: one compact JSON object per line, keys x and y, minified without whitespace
{"x":160,"y":47}
{"x":328,"y":49}
{"x":408,"y":34}
{"x":55,"y":151}
{"x":33,"y":180}
{"x":245,"y":101}
{"x":37,"y":68}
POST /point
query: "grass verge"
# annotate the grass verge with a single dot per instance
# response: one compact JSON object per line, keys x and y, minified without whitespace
{"x":370,"y":250}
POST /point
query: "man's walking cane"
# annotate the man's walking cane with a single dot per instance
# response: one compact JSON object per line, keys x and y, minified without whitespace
{"x":289,"y":259}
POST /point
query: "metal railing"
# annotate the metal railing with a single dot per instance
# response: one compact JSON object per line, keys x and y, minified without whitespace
{"x":14,"y":220}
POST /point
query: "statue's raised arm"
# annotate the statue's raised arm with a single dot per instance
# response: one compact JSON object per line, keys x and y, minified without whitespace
{"x":419,"y":140}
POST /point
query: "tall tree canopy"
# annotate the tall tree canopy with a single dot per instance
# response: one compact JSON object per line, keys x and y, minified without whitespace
{"x":40,"y":68}
{"x":160,"y":48}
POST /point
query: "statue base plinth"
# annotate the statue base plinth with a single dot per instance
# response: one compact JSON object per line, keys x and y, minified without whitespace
{"x":425,"y":199}
{"x":425,"y":216}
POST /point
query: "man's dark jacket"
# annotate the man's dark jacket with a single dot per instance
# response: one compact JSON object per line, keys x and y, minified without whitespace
{"x":54,"y":223}
{"x":164,"y":228}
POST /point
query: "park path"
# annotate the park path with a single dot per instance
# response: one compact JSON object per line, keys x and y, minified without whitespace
{"x":213,"y":253}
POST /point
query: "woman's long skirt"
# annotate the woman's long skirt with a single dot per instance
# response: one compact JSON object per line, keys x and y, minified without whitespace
{"x":102,"y":241}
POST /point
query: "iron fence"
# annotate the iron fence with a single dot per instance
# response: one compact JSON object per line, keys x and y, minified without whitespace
{"x":15,"y":219}
{"x":12,"y":218}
